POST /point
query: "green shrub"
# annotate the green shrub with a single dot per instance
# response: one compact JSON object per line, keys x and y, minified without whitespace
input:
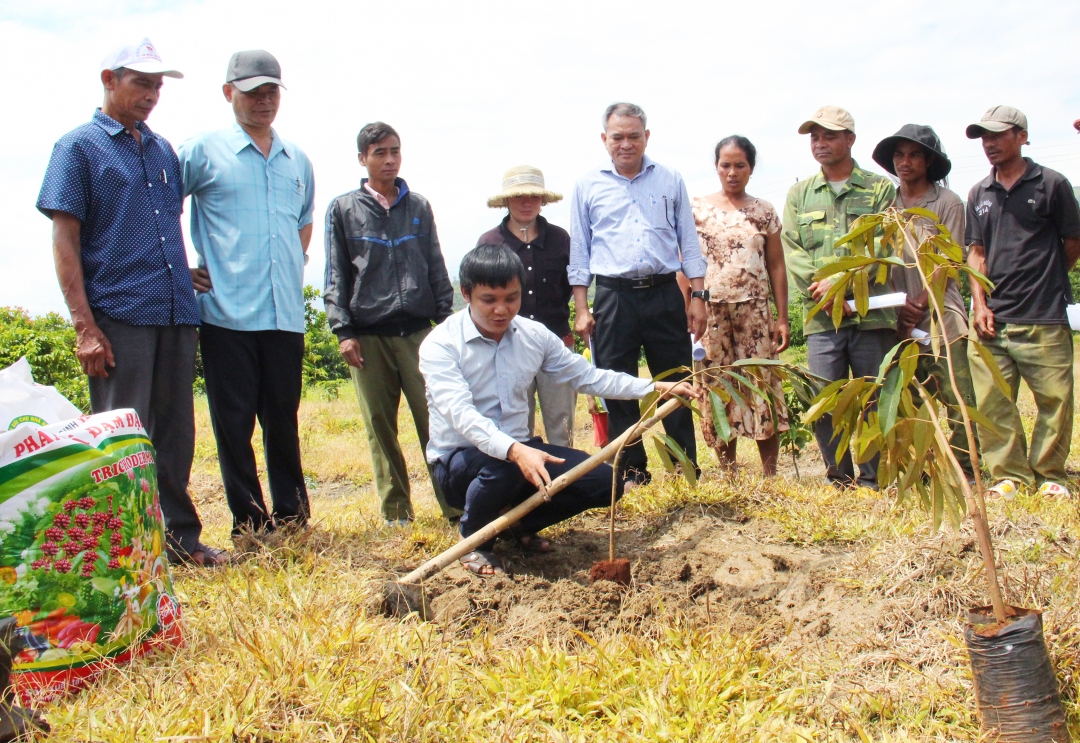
{"x":323,"y":365}
{"x":795,"y":320}
{"x":48,"y":343}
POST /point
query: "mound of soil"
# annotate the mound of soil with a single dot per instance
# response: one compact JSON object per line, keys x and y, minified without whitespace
{"x":703,"y":567}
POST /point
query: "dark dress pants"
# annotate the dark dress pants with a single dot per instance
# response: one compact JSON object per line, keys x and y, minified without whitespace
{"x":249,"y":375}
{"x":154,"y":373}
{"x":484,"y":487}
{"x":626,"y":321}
{"x":833,"y":355}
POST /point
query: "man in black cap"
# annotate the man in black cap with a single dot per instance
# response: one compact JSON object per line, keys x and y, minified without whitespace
{"x":252,"y":204}
{"x":915,"y":156}
{"x":1023,"y":233}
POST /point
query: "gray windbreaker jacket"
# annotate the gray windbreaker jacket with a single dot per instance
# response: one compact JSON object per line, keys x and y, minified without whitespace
{"x":385,"y":273}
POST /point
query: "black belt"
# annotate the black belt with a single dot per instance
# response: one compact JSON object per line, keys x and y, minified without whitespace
{"x":645,"y":282}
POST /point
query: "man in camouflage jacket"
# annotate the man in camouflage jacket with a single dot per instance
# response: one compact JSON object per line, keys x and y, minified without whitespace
{"x":820,"y":210}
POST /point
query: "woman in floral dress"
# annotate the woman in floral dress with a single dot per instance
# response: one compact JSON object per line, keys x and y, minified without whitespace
{"x":740,"y":238}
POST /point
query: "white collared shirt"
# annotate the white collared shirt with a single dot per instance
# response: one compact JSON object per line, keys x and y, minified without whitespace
{"x":477,"y":388}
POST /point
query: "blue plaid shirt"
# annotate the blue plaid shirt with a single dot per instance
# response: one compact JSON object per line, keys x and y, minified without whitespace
{"x":246,"y":213}
{"x":129,"y":203}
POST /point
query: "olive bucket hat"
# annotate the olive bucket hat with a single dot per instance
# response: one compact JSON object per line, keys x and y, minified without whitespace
{"x":921,"y":135}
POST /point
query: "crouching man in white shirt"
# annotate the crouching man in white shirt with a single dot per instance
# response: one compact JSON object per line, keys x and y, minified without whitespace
{"x":478,"y":366}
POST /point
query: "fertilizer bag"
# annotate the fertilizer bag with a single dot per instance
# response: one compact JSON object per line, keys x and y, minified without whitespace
{"x":23,"y":401}
{"x":82,"y":550}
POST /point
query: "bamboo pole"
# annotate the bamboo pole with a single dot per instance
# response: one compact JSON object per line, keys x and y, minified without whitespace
{"x":467,"y":545}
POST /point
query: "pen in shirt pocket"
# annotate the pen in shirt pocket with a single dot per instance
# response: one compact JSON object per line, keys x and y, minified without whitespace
{"x":164,"y":177}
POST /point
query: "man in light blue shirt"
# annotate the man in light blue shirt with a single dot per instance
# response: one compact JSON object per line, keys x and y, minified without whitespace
{"x":478,"y":366}
{"x":252,"y":197}
{"x":631,"y":226}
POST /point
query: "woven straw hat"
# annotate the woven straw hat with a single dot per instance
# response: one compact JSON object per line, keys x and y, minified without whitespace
{"x":523,"y":180}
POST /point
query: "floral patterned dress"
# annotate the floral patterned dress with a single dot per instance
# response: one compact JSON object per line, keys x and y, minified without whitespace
{"x":739,"y":318}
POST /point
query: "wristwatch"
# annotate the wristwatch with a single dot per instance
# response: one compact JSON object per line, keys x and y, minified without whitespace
{"x":702,"y":294}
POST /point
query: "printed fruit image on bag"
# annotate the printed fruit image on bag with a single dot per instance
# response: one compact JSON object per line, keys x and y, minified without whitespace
{"x":82,"y":550}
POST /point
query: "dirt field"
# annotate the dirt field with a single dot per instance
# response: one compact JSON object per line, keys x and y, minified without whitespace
{"x":760,"y":610}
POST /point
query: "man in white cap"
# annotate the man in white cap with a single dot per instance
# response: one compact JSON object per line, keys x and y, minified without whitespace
{"x":544,"y":250}
{"x":1023,"y":232}
{"x":819,"y":210}
{"x":113,"y":190}
{"x":252,"y":201}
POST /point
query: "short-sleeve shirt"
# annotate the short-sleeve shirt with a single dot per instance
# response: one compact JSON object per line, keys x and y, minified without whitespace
{"x":246,"y":213}
{"x":733,"y":243}
{"x":1022,"y":231}
{"x":129,"y":200}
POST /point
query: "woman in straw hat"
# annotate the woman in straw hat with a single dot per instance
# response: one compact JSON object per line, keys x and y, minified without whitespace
{"x":545,"y":251}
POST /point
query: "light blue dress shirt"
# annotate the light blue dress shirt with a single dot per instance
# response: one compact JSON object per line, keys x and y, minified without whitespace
{"x":477,"y":388}
{"x":246,"y":211}
{"x":631,"y":228}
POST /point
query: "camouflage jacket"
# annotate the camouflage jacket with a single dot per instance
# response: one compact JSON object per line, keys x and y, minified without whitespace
{"x":814,"y":217}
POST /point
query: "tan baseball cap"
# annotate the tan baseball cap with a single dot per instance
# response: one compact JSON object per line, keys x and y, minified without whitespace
{"x":998,"y":119}
{"x":830,"y":117}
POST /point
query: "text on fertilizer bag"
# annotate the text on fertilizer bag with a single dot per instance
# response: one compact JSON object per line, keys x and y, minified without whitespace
{"x":100,"y":427}
{"x":141,"y":459}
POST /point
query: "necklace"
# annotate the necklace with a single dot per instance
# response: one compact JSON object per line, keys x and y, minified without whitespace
{"x":523,"y":229}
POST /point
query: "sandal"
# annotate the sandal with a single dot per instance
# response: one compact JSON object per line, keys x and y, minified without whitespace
{"x":203,"y":556}
{"x":482,"y":563}
{"x":532,"y":542}
{"x":1003,"y":489}
{"x":1053,"y":490}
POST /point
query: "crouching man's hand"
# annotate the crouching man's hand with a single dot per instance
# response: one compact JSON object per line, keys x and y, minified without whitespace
{"x":531,"y":463}
{"x":682,"y":389}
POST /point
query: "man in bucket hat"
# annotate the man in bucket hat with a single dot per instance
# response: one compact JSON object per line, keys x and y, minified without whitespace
{"x":820,"y":210}
{"x":915,"y":156}
{"x":1023,"y":232}
{"x":252,"y":203}
{"x":113,"y":190}
{"x":544,"y":249}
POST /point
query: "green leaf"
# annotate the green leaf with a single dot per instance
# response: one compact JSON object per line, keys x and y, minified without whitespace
{"x":842,"y":264}
{"x":887,"y":361}
{"x":665,"y":457}
{"x":733,"y":393}
{"x":867,"y":223}
{"x":889,"y":400}
{"x":909,"y":361}
{"x":995,"y":371}
{"x":920,"y":212}
{"x":688,"y":470}
{"x":861,"y":288}
{"x":850,"y":392}
{"x":646,"y":403}
{"x":677,"y":370}
{"x":719,"y":417}
{"x":977,"y":415}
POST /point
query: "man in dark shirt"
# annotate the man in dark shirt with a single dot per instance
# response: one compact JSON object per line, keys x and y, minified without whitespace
{"x":386,"y":282}
{"x":113,"y":190}
{"x":544,"y":249}
{"x":1023,"y":229}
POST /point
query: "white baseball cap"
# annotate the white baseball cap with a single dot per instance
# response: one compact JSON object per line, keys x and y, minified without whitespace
{"x":141,"y":57}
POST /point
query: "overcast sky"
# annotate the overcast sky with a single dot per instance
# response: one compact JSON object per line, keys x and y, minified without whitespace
{"x":476,"y":87}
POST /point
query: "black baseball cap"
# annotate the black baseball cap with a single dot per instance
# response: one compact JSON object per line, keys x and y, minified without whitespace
{"x":920,"y":135}
{"x":248,"y":70}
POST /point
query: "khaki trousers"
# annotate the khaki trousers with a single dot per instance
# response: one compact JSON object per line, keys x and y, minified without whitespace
{"x":1041,"y":355}
{"x":392,"y":367}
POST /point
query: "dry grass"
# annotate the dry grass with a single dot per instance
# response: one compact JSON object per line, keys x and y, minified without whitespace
{"x":286,"y":648}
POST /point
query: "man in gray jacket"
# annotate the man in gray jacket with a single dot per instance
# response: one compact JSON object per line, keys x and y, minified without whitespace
{"x":386,"y":282}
